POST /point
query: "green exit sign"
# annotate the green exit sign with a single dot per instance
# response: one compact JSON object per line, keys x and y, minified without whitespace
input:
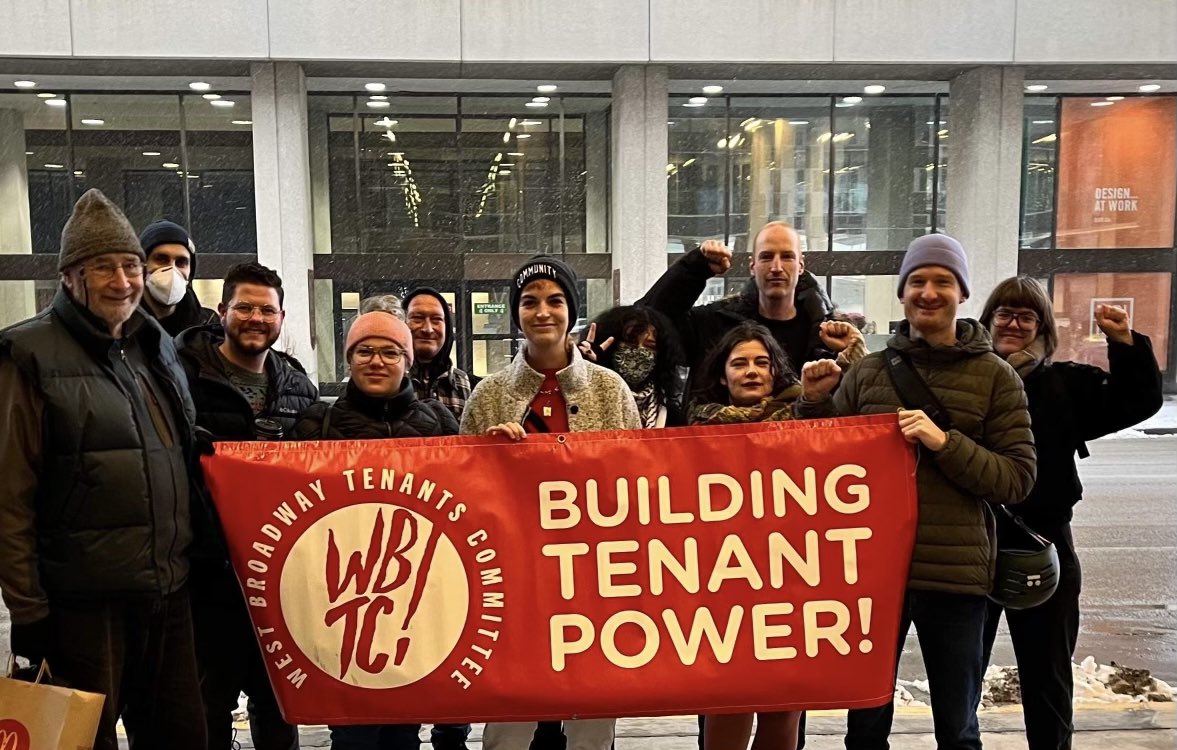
{"x":490,"y":308}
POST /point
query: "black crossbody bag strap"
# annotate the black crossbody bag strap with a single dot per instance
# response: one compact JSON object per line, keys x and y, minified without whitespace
{"x":913,"y":391}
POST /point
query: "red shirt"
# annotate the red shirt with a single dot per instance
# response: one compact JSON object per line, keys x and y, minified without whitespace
{"x":548,"y":411}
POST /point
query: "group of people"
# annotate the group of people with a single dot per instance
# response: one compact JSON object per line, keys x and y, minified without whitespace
{"x":114,"y":570}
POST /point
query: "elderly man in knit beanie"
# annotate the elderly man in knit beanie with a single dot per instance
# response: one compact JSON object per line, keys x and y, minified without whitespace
{"x":95,"y":441}
{"x":970,"y":425}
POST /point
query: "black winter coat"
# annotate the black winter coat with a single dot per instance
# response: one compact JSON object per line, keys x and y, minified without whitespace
{"x":700,"y":328}
{"x":220,"y":407}
{"x":357,"y":416}
{"x":1071,"y":403}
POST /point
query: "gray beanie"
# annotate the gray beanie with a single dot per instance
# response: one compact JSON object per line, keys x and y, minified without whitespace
{"x":96,"y":227}
{"x":935,"y":250}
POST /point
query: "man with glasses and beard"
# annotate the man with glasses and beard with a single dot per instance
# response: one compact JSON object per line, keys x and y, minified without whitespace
{"x":243,"y":389}
{"x":95,"y":439}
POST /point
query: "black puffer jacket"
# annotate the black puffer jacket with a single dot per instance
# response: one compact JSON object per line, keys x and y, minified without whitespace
{"x":1071,"y":403}
{"x":701,"y":328}
{"x":358,"y":416}
{"x":220,"y":407}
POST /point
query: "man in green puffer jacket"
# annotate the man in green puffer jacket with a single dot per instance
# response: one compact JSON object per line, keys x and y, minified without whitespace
{"x":986,"y":457}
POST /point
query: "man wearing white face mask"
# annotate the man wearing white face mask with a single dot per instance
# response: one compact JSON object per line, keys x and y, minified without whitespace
{"x":171,"y":264}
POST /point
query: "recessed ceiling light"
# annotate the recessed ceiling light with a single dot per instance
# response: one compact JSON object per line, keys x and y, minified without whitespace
{"x":55,"y":166}
{"x":798,"y":122}
{"x":535,"y":105}
{"x":1043,"y":122}
{"x":212,"y":97}
{"x":504,"y":171}
{"x":546,"y":88}
{"x":843,"y":104}
{"x":200,"y":86}
{"x":92,"y":121}
{"x":78,"y":173}
{"x":1150,"y":87}
{"x":1114,"y":98}
{"x":851,"y":99}
{"x":506,"y":137}
{"x":1037,"y":87}
{"x":47,"y":95}
{"x":375,"y":87}
{"x":170,"y":165}
{"x":689,"y":104}
{"x":712,"y":90}
{"x":151,"y":153}
{"x":541,"y":99}
{"x":242,"y":122}
{"x":874,"y":88}
{"x":1102,"y":104}
{"x":521,"y":136}
{"x":698,"y":101}
{"x":386,"y":122}
{"x":24,"y":84}
{"x":55,"y":102}
{"x":223,"y":103}
{"x":515,"y":153}
{"x":29,"y":153}
{"x":378,"y":98}
{"x":526,"y":123}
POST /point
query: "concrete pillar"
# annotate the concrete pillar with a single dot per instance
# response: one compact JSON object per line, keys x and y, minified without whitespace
{"x":282,"y":191}
{"x":17,"y":298}
{"x":985,"y":174}
{"x":890,"y":160}
{"x":638,"y":232}
{"x":596,"y":198}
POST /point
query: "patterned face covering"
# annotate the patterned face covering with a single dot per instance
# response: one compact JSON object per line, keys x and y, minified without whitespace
{"x":634,"y":364}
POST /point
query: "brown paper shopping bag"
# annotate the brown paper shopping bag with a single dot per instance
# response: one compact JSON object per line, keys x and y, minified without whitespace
{"x":38,"y":716}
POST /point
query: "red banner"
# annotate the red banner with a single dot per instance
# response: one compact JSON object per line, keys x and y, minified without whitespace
{"x":693,"y":570}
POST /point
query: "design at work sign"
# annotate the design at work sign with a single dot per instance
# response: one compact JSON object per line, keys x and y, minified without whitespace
{"x":723,"y":568}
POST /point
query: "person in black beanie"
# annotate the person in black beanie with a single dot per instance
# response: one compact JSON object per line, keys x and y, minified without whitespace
{"x":434,"y":373}
{"x":171,"y":265}
{"x":546,"y":267}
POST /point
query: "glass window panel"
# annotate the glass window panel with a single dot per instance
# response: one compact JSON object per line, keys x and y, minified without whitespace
{"x":780,"y":155}
{"x":871,"y":304}
{"x":1117,"y":172}
{"x":219,"y":144}
{"x":33,"y":141}
{"x":1144,"y":295}
{"x":696,"y":173}
{"x":1040,"y":155}
{"x":943,"y":134}
{"x":490,"y":312}
{"x":128,"y":146}
{"x":490,"y":356}
{"x":884,"y":158}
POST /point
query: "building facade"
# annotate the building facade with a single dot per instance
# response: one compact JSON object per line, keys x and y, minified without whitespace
{"x":364,"y":149}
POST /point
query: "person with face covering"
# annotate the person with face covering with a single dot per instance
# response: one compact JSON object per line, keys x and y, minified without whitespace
{"x":379,"y":403}
{"x":96,"y":450}
{"x":747,"y":378}
{"x":238,"y":381}
{"x":1070,"y":403}
{"x":640,"y":344}
{"x":171,"y":266}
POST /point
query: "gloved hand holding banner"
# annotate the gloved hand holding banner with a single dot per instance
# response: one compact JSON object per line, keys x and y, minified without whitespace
{"x":692,"y":570}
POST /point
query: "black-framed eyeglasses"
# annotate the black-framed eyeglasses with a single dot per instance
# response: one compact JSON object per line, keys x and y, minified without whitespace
{"x":365,"y":354}
{"x":1025,"y":320}
{"x":244,"y":311}
{"x":105,"y":271}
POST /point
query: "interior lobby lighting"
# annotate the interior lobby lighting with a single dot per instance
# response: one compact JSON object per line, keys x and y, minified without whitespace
{"x":546,"y":88}
{"x":222,"y":103}
{"x":1104,"y":103}
{"x":541,"y":99}
{"x":535,"y":105}
{"x":1047,"y":138}
{"x":29,"y":153}
{"x":212,"y":97}
{"x":688,"y":104}
{"x":874,"y":88}
{"x":1114,"y":98}
{"x":47,"y":95}
{"x":170,"y":165}
{"x":522,"y":136}
{"x":24,"y":84}
{"x":515,"y":153}
{"x":712,"y":90}
{"x":798,"y":122}
{"x":151,"y":153}
{"x":378,"y":98}
{"x":386,"y":122}
{"x":851,"y":99}
{"x":512,"y":123}
{"x":200,"y":86}
{"x":54,"y":166}
{"x":78,"y":173}
{"x":92,"y":121}
{"x":527,"y":123}
{"x":55,"y":102}
{"x":374,"y":87}
{"x":506,"y":137}
{"x":505,"y":171}
{"x":1149,"y":87}
{"x":1043,"y":122}
{"x":242,"y":122}
{"x":1037,"y":87}
{"x":375,"y":104}
{"x":698,"y":101}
